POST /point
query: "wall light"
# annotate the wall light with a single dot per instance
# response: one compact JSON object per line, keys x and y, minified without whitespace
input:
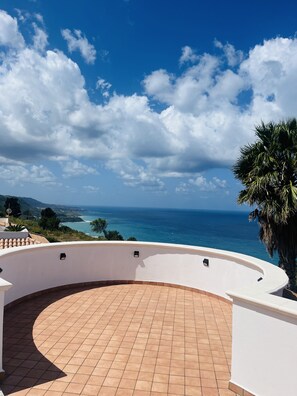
{"x":62,"y":256}
{"x":136,"y":253}
{"x":206,"y":262}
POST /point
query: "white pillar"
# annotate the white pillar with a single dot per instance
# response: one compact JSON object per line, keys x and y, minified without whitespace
{"x":3,"y":287}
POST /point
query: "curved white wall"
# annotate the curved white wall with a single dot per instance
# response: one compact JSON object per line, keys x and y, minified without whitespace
{"x":264,"y":325}
{"x":38,"y":268}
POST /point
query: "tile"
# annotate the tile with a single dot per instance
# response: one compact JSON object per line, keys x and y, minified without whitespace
{"x":193,"y":391}
{"x":107,"y":391}
{"x":210,"y":392}
{"x":91,"y":390}
{"x":143,"y":385}
{"x":74,"y":388}
{"x":160,"y":387}
{"x":120,"y":340}
{"x":124,"y":392}
{"x":130,"y":374}
{"x":110,"y":381}
{"x":127,"y":383}
{"x":177,"y":379}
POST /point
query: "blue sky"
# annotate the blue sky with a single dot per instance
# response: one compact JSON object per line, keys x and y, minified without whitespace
{"x":139,"y":103}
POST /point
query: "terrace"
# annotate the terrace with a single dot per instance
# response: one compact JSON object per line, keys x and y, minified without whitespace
{"x":132,"y":318}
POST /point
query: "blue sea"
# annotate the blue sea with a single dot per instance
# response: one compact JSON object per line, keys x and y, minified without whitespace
{"x":216,"y":229}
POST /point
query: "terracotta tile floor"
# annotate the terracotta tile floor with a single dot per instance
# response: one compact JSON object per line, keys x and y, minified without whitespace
{"x":118,"y":340}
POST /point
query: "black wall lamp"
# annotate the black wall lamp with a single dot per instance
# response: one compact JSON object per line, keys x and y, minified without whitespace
{"x":136,"y":253}
{"x":62,"y":256}
{"x":206,"y":262}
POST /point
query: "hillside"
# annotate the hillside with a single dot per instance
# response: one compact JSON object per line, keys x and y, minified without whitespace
{"x":63,"y":234}
{"x":33,"y":207}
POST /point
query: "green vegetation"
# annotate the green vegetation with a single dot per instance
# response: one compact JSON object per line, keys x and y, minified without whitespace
{"x":12,"y":204}
{"x":49,"y":220}
{"x":100,"y":225}
{"x":113,"y":235}
{"x":63,"y":234}
{"x":42,"y":220}
{"x":268,"y":171}
{"x":31,"y":209}
{"x":15,"y":228}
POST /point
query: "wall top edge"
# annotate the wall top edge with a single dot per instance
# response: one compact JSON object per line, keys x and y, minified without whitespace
{"x":274,"y":278}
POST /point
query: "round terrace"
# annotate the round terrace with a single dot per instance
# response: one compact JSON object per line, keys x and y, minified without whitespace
{"x":132,"y":318}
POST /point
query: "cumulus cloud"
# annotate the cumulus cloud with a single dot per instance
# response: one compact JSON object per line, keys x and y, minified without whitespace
{"x":18,"y":174}
{"x":75,"y":168}
{"x":136,"y":175}
{"x":182,"y":188}
{"x":9,"y":32}
{"x":203,"y":121}
{"x":208,"y":185}
{"x":233,"y":56}
{"x":188,"y":55}
{"x":76,"y":41}
{"x":40,"y":38}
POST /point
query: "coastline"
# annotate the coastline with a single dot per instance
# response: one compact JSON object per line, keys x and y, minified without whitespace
{"x":227,"y":230}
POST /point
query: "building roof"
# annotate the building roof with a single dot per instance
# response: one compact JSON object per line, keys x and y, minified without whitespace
{"x":16,"y":242}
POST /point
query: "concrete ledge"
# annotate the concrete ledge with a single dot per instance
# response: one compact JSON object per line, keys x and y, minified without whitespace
{"x":238,"y":390}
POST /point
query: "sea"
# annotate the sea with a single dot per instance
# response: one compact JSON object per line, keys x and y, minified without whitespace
{"x":227,"y":230}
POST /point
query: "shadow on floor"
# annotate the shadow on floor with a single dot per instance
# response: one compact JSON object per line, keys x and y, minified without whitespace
{"x":24,"y":365}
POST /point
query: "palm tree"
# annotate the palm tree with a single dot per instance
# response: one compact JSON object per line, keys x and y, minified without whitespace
{"x":99,"y":226}
{"x":268,"y":171}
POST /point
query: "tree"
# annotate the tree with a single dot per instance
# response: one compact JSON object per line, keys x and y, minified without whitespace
{"x":268,"y":171}
{"x":99,"y":226}
{"x":49,"y":220}
{"x":13,"y":204}
{"x":113,"y":235}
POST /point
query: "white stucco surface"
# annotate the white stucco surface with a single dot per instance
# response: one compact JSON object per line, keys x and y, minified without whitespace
{"x":38,"y":268}
{"x":13,"y":234}
{"x":264,"y":324}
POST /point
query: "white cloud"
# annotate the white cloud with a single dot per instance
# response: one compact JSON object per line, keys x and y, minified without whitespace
{"x":40,"y":38}
{"x":76,"y":41}
{"x":202,"y":124}
{"x":188,"y":55}
{"x":159,"y":84}
{"x":233,"y":56}
{"x":208,"y":185}
{"x":136,"y":175}
{"x":9,"y":33}
{"x":91,"y":189}
{"x":182,"y":188}
{"x":104,"y":87}
{"x":18,"y":174}
{"x":39,"y":18}
{"x":75,"y":168}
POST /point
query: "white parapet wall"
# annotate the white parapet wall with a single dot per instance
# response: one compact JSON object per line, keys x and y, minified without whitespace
{"x":33,"y":269}
{"x":264,"y":325}
{"x":14,"y":234}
